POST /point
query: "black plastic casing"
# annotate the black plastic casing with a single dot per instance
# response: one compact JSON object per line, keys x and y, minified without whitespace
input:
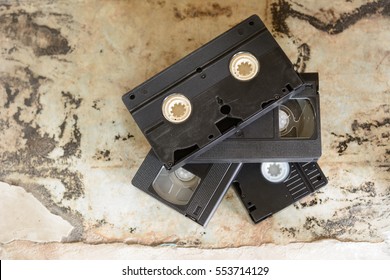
{"x":215,"y":181}
{"x":262,"y":198}
{"x":204,"y":78}
{"x":260,"y":141}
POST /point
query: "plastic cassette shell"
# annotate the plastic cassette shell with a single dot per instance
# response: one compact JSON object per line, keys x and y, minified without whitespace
{"x":260,"y":141}
{"x":262,"y":198}
{"x":205,"y":79}
{"x":215,"y":181}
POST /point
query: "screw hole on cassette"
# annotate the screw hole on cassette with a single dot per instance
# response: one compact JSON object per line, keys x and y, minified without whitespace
{"x":203,"y":76}
{"x":225,"y":109}
{"x":132,"y":97}
{"x":211,"y":136}
{"x":219,"y":100}
{"x":251,"y":23}
{"x":284,"y":90}
{"x":199,"y":69}
{"x":276,"y":96}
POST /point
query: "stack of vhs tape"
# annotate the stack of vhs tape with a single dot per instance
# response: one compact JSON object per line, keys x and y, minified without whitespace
{"x":232,"y":113}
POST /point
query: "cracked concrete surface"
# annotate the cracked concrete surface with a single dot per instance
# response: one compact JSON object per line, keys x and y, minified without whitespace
{"x":327,"y":249}
{"x":29,"y":219}
{"x":71,"y":147}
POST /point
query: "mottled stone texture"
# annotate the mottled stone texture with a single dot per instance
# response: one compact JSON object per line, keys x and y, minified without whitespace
{"x":67,"y":139}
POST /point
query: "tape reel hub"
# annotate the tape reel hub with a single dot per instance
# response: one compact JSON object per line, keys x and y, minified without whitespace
{"x":176,"y":108}
{"x":184,"y":175}
{"x":284,"y":120}
{"x":244,"y":66}
{"x":275,"y":172}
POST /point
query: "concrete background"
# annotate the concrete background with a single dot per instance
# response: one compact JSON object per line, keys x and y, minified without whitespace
{"x":69,"y":148}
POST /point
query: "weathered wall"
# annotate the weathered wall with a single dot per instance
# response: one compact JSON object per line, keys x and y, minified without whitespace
{"x":71,"y":147}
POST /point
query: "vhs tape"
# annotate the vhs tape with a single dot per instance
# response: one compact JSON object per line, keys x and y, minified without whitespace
{"x":268,"y":187}
{"x":289,"y":133}
{"x":194,"y":190}
{"x":211,"y":93}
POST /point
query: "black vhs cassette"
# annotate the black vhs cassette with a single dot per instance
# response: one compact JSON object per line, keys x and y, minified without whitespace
{"x":211,"y":93}
{"x":289,"y":133}
{"x":268,"y":187}
{"x":194,"y":190}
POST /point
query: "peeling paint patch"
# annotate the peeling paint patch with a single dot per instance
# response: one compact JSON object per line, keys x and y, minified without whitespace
{"x":366,"y":132}
{"x":71,"y":100}
{"x":312,"y":202}
{"x":10,"y":94}
{"x":103,"y":155}
{"x":72,"y":147}
{"x":25,"y":218}
{"x":123,"y":138}
{"x":303,"y":58}
{"x":42,"y":39}
{"x":32,"y":159}
{"x":343,"y":144}
{"x":366,"y":189}
{"x":209,"y":10}
{"x":282,"y":10}
{"x":97,"y":104}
